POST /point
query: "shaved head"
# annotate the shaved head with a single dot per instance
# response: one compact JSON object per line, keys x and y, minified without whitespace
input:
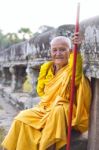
{"x":63,"y":40}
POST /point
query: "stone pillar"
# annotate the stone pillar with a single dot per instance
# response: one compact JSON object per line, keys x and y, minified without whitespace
{"x":90,"y":50}
{"x":13,"y":82}
{"x":3,"y":76}
{"x":35,"y":77}
{"x":93,"y":137}
{"x":6,"y":76}
{"x":33,"y":73}
{"x":20,"y":76}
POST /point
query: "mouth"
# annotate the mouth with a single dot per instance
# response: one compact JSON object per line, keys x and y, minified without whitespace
{"x":59,"y":58}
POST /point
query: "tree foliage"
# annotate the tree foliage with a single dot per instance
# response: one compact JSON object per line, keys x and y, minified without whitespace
{"x":9,"y":39}
{"x":25,"y":32}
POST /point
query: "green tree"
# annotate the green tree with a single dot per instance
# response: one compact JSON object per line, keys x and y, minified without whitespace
{"x":25,"y":33}
{"x":3,"y":41}
{"x":12,"y":38}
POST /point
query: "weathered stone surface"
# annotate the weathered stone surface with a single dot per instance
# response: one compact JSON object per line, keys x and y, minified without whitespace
{"x":19,"y":100}
{"x":78,"y":141}
{"x":90,"y":46}
{"x":7,"y":113}
{"x":93,"y":137}
{"x":65,"y":30}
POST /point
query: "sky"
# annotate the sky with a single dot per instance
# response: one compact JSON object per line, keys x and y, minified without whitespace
{"x":32,"y":14}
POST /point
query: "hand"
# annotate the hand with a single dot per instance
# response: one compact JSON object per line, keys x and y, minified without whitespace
{"x":77,"y":39}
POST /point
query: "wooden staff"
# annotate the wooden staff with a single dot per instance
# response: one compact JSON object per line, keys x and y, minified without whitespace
{"x":73,"y":81}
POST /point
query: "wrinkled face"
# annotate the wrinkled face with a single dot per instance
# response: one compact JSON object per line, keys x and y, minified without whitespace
{"x":60,"y":53}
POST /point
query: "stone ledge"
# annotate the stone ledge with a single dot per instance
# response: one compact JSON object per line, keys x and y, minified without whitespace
{"x":19,"y":100}
{"x":78,"y":141}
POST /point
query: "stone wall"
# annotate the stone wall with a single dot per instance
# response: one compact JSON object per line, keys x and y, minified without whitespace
{"x":90,"y":46}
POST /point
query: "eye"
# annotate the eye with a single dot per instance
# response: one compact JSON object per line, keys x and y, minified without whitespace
{"x":62,"y":49}
{"x":54,"y":50}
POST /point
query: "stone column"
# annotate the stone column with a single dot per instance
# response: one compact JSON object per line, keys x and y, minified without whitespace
{"x":3,"y":76}
{"x":93,"y":137}
{"x":13,"y":82}
{"x":33,"y":73}
{"x":35,"y":77}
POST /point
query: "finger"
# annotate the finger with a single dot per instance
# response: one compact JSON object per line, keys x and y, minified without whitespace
{"x":76,"y":34}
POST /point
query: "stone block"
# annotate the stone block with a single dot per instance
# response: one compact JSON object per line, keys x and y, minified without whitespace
{"x":78,"y":141}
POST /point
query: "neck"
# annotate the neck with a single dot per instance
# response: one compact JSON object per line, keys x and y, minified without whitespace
{"x":57,"y":68}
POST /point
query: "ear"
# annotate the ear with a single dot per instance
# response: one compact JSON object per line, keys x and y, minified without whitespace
{"x":50,"y":53}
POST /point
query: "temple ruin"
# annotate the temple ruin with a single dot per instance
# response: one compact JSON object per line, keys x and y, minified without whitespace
{"x":20,"y":65}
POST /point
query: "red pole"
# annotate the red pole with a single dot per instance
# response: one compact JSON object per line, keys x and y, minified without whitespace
{"x":73,"y":82}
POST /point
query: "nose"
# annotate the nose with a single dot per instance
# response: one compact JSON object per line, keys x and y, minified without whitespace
{"x":58,"y":52}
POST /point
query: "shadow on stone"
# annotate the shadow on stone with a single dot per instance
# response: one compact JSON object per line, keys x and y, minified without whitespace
{"x":78,"y":141}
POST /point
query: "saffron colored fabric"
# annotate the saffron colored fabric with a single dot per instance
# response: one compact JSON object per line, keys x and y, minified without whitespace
{"x":40,"y":127}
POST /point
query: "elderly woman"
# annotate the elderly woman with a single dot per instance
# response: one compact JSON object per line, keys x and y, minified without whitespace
{"x":46,"y":124}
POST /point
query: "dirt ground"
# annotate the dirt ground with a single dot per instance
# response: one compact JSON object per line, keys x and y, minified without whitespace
{"x":7,"y":113}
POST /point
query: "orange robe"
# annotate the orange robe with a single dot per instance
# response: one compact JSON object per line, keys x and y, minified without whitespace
{"x":40,"y":127}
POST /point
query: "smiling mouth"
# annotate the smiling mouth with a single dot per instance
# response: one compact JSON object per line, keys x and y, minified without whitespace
{"x":58,"y":57}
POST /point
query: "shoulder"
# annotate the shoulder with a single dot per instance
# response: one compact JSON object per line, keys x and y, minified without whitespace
{"x":46,"y":65}
{"x":44,"y":69}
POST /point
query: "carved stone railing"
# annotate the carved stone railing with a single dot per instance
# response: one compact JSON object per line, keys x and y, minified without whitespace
{"x":15,"y":53}
{"x":36,"y":48}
